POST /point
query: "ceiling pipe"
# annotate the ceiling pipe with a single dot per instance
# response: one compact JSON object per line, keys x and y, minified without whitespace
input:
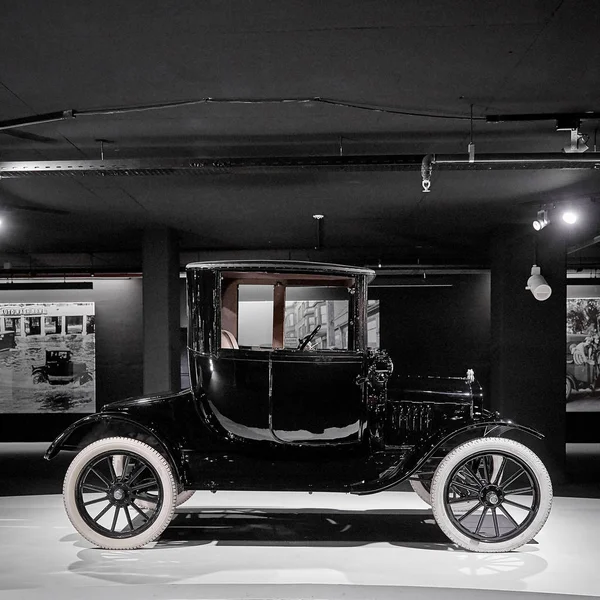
{"x":581,"y":115}
{"x":203,"y":166}
{"x":37,"y":119}
{"x":588,"y":244}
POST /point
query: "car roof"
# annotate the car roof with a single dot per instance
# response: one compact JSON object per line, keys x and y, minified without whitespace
{"x":283,"y":266}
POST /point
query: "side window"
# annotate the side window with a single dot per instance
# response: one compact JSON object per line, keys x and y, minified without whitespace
{"x":275,"y":311}
{"x":307,"y":308}
{"x":255,"y":316}
{"x":373,"y":324}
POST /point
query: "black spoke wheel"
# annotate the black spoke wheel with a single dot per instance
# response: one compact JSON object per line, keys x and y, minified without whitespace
{"x":120,"y":493}
{"x":491,"y":495}
{"x":119,"y":505}
{"x":490,"y":506}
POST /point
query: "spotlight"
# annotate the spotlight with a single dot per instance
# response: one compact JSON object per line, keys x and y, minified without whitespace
{"x":537,"y":285}
{"x":570,"y":217}
{"x":541,"y":220}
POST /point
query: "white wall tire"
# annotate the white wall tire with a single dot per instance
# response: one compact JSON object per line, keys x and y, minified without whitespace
{"x":421,"y":491}
{"x":422,"y":486}
{"x":184,"y":497}
{"x":122,"y":508}
{"x":486,"y":508}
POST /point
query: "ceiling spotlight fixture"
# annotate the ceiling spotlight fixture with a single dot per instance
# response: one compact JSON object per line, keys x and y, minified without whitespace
{"x":569,"y":216}
{"x":541,"y":220}
{"x":537,"y":285}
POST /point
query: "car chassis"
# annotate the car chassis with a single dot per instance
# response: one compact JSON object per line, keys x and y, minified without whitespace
{"x":306,"y":418}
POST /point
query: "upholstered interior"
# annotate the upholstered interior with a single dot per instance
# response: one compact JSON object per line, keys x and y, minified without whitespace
{"x":228,"y":340}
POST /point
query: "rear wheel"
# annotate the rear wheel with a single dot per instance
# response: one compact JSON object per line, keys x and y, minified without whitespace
{"x":569,"y":389}
{"x":119,"y":508}
{"x":421,"y":487}
{"x":491,"y":495}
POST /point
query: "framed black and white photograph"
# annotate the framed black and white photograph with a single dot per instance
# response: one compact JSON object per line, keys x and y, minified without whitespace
{"x":583,"y":354}
{"x":47,"y":357}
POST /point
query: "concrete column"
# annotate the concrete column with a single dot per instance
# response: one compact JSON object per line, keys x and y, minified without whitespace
{"x":528,"y":338}
{"x":161,"y":311}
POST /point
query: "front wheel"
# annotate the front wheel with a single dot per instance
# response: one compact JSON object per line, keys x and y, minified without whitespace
{"x":39,"y":377}
{"x":491,"y":495}
{"x":184,"y":496}
{"x":121,"y":508}
{"x":569,"y":389}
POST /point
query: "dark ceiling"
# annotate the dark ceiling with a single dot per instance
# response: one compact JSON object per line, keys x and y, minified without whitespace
{"x":424,"y":63}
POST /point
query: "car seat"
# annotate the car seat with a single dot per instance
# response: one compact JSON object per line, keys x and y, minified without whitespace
{"x":228,"y":340}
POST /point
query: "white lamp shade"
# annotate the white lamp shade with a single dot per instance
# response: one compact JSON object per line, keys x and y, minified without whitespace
{"x":539,"y":287}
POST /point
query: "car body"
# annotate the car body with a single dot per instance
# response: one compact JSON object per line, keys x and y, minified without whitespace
{"x":333,"y":416}
{"x":59,"y":369}
{"x":7,"y":341}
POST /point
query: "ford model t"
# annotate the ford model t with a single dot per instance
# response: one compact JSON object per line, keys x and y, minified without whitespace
{"x":286,"y":395}
{"x":59,"y":369}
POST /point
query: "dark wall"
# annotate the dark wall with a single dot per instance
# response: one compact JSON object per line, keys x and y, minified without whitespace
{"x":118,"y":351}
{"x":528,"y":351}
{"x":438,"y":330}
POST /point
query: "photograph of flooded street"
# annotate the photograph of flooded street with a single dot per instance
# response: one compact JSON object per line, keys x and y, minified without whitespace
{"x":47,"y":357}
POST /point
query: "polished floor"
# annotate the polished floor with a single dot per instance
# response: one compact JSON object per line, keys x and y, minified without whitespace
{"x":233,"y":545}
{"x":290,"y":545}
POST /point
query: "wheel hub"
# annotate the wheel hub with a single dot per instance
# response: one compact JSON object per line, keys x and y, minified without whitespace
{"x":119,"y":494}
{"x":491,"y":496}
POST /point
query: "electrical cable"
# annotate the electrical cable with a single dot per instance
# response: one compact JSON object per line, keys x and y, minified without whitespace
{"x":72,"y":113}
{"x":316,"y":99}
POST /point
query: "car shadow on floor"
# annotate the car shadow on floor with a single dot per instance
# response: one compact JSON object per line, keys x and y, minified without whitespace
{"x":305,"y":527}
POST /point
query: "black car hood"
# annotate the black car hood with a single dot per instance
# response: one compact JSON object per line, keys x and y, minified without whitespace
{"x":458,"y":389}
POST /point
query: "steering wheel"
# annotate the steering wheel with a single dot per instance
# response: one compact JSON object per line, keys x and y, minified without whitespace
{"x":307,"y":338}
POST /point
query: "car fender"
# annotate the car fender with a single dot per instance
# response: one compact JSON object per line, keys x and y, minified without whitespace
{"x":411,"y":462}
{"x":102,"y":425}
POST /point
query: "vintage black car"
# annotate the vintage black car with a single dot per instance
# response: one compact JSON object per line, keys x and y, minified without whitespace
{"x":59,"y":369}
{"x":583,"y":363}
{"x":7,"y":341}
{"x":286,"y":395}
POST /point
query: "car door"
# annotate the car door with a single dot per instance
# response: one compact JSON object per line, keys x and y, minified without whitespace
{"x":316,"y":391}
{"x":316,"y":397}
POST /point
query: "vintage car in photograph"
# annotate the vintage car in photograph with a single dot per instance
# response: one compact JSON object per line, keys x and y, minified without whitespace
{"x":7,"y":341}
{"x":59,"y":369}
{"x":583,"y":364}
{"x":286,"y":395}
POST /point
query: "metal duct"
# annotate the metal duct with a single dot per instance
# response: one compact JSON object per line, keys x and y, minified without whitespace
{"x":130,"y":167}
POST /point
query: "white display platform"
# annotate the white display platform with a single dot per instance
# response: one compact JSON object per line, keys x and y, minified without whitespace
{"x":291,"y":545}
